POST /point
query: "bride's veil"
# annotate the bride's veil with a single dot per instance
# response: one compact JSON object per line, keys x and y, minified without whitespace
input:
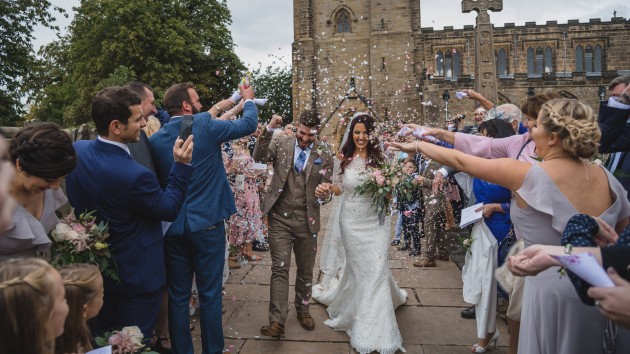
{"x":333,"y":258}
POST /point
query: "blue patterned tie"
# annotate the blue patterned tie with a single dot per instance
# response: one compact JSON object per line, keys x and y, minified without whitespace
{"x":299,"y":164}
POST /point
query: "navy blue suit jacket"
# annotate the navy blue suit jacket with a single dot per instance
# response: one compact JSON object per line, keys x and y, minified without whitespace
{"x":128,"y":197}
{"x":210,"y":199}
{"x":615,"y":129}
{"x":613,"y":122}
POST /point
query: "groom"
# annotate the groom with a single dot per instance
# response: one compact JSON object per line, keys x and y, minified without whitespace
{"x":300,"y":164}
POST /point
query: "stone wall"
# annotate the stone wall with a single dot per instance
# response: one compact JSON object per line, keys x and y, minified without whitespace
{"x":388,"y":52}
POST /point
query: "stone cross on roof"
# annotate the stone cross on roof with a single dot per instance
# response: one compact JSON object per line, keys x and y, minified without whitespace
{"x":485,"y":70}
{"x":481,"y":5}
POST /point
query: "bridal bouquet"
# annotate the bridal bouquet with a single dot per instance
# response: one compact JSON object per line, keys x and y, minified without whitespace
{"x":126,"y":341}
{"x":82,"y":240}
{"x":381,"y":184}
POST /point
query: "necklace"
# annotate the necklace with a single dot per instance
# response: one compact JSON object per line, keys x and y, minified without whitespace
{"x":575,"y":158}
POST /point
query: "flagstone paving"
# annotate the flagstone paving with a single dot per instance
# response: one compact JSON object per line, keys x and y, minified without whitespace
{"x":429,"y":321}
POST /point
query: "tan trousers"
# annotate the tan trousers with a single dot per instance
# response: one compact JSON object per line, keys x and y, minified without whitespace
{"x":286,"y":234}
{"x":434,"y":226}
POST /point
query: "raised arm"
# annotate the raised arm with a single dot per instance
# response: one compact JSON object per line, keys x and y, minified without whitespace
{"x":508,"y":173}
{"x":264,"y":151}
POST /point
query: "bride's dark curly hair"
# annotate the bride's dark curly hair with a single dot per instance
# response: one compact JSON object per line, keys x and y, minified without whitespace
{"x":374,"y":153}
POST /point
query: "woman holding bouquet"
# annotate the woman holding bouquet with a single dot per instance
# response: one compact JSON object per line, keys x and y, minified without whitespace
{"x":360,"y":293}
{"x":547,"y":195}
{"x":42,"y":155}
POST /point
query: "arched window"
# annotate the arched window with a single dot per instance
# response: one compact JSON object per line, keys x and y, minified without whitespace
{"x":501,"y":63}
{"x":597,"y":59}
{"x":588,"y":59}
{"x":456,"y":63}
{"x":343,"y":22}
{"x":579,"y":58}
{"x":539,"y":61}
{"x":448,"y":65}
{"x":439,"y":63}
{"x":530,"y":62}
{"x":548,"y":60}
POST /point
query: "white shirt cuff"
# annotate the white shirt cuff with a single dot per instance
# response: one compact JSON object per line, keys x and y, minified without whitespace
{"x":443,"y":172}
{"x":612,"y":102}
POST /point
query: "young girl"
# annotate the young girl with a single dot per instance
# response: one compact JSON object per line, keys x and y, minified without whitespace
{"x":246,"y":225}
{"x":84,"y":293}
{"x":33,"y":306}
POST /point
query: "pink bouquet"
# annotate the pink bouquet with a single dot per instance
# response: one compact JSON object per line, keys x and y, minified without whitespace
{"x":126,"y":341}
{"x":82,"y":240}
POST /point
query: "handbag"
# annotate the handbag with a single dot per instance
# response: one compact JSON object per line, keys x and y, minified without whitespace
{"x":505,"y":245}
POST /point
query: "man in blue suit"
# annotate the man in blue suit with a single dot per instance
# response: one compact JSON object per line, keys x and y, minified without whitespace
{"x":614,"y":122}
{"x":195,"y":242}
{"x":128,"y":197}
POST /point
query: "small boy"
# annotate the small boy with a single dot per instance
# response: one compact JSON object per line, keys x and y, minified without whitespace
{"x":410,"y":208}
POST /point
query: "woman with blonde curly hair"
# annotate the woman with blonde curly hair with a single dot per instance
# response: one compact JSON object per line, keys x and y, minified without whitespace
{"x":546,"y":196}
{"x":84,"y":295}
{"x":33,"y":306}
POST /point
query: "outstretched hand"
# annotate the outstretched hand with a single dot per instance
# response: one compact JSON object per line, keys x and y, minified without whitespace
{"x":532,"y":260}
{"x":406,"y":147}
{"x":614,"y":303}
{"x":182,"y":150}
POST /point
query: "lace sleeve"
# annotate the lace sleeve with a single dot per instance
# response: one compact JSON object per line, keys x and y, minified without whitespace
{"x":337,"y":177}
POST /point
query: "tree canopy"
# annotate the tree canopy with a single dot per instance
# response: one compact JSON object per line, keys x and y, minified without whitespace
{"x":18,"y":18}
{"x":274,"y":83}
{"x":157,"y":42}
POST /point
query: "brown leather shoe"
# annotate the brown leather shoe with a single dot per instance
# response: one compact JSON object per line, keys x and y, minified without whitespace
{"x":306,"y":321}
{"x":424,"y":263}
{"x":275,"y":329}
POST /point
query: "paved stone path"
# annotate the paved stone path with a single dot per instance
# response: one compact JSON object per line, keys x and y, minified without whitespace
{"x":429,"y":321}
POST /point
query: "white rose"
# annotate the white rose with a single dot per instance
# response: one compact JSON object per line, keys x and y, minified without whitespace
{"x":60,"y":232}
{"x":134,"y":333}
{"x":72,"y":235}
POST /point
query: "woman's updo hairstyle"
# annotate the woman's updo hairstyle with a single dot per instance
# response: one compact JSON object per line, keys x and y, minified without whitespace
{"x":574,"y":123}
{"x":44,"y":151}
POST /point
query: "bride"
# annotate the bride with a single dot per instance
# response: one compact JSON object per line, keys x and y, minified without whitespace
{"x":358,"y":286}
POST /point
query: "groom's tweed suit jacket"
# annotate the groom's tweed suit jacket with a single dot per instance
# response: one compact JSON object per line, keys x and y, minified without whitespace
{"x":280,"y":152}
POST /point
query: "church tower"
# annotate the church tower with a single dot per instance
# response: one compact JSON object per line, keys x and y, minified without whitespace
{"x":377,"y":42}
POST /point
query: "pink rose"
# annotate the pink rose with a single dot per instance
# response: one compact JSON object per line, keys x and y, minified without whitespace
{"x":78,"y":227}
{"x":380,"y":180}
{"x":377,"y":173}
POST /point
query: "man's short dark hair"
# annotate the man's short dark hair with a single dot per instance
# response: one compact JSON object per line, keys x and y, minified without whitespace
{"x":112,"y":103}
{"x":175,"y":96}
{"x":139,"y":88}
{"x":623,"y":79}
{"x":309,"y":118}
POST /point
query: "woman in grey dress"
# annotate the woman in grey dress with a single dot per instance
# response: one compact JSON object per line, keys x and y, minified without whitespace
{"x":42,"y":155}
{"x":546,"y":195}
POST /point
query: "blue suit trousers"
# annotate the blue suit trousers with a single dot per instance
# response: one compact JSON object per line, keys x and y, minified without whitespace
{"x":200,"y":253}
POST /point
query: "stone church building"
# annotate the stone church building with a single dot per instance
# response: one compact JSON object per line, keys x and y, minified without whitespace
{"x":402,"y":70}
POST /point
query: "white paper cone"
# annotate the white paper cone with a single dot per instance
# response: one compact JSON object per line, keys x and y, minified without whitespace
{"x":260,"y":101}
{"x":585,"y":266}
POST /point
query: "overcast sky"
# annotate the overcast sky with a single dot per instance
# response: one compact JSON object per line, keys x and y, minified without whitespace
{"x":263,"y":29}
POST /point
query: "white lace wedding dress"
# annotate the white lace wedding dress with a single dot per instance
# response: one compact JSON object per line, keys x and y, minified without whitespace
{"x":360,"y":293}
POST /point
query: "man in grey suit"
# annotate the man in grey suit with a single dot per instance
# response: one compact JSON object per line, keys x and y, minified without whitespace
{"x":141,"y":151}
{"x":300,"y":164}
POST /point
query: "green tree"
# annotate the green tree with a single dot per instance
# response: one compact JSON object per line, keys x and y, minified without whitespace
{"x":18,"y":18}
{"x":274,"y":83}
{"x":156,"y":42}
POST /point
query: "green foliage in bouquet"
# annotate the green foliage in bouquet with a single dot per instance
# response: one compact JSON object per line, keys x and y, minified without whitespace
{"x":381,"y":183}
{"x":82,"y":240}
